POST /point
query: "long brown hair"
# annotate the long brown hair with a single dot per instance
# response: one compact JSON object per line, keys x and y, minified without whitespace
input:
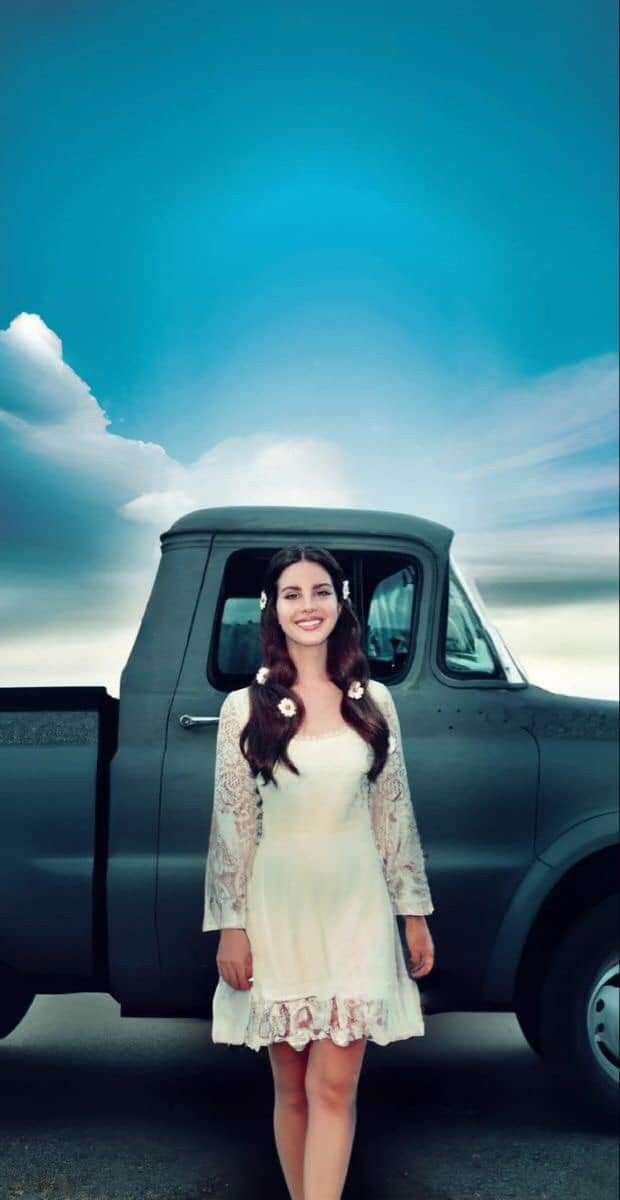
{"x":265,"y":736}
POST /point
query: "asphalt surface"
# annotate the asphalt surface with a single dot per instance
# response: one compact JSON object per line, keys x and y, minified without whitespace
{"x":98,"y":1107}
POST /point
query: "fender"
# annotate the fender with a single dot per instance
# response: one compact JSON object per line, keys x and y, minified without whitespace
{"x":574,"y":845}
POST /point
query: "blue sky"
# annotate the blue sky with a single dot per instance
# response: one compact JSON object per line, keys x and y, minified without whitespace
{"x":359,"y":256}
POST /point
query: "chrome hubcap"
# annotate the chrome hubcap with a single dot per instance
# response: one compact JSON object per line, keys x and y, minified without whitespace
{"x":603,"y":1015}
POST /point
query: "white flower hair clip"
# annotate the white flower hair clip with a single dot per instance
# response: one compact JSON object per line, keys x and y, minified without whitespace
{"x":391,"y":744}
{"x":287,"y":707}
{"x":261,"y":674}
{"x":263,"y":599}
{"x":356,"y":690}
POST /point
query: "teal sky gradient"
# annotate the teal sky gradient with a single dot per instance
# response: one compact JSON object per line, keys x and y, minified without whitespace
{"x":356,"y":255}
{"x":183,"y":182}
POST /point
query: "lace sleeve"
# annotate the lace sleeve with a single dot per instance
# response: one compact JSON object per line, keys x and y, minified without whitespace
{"x":395,"y":828}
{"x":233,"y":835}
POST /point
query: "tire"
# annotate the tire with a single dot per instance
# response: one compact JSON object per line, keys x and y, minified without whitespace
{"x":15,"y":1000}
{"x":579,"y":1011}
{"x":530,"y":1026}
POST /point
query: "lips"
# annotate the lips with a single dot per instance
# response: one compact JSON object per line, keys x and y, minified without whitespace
{"x":310,"y":624}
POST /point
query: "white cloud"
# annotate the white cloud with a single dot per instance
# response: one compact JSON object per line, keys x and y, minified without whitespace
{"x":546,"y":420}
{"x":497,"y":456}
{"x":78,"y":658}
{"x":256,"y":469}
{"x":568,"y":648}
{"x":53,"y":415}
{"x":521,"y":481}
{"x":563,"y":553}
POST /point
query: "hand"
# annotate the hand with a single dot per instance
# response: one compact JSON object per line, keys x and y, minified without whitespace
{"x":234,"y":958}
{"x":421,"y":947}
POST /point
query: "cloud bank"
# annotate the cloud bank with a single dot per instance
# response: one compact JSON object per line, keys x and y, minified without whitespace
{"x":534,"y":468}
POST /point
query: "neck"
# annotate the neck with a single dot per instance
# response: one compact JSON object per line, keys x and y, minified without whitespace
{"x":311,"y":663}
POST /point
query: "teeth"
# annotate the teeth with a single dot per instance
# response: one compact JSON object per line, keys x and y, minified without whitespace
{"x":308,"y":624}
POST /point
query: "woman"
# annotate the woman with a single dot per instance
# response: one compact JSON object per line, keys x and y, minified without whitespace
{"x":313,"y":850}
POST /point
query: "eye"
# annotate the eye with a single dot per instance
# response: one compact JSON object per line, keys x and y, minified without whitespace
{"x":293,"y":595}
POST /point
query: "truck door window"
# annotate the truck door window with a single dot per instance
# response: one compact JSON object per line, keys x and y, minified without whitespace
{"x":239,"y":643}
{"x":236,"y":645}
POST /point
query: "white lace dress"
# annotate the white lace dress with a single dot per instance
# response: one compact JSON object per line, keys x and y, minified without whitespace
{"x":315,"y":871}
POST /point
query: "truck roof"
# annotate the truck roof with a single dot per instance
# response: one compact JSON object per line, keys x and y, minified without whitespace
{"x":297,"y":522}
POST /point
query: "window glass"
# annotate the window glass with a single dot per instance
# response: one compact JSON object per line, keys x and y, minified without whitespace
{"x":389,"y":623}
{"x":512,"y":668}
{"x":237,"y":626}
{"x":239,"y":642}
{"x":383,"y":591}
{"x":468,"y":650}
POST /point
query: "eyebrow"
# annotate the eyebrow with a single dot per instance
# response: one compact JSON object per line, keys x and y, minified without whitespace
{"x":295,"y":586}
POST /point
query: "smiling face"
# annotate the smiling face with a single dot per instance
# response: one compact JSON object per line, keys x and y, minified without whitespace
{"x":305,"y":591}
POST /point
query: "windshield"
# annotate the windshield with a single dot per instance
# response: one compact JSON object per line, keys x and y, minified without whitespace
{"x":513,"y":669}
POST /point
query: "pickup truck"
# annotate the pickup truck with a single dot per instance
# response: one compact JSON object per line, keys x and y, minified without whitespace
{"x":105,"y":804}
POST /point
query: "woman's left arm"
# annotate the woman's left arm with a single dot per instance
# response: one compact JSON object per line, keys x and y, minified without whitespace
{"x":395,"y":828}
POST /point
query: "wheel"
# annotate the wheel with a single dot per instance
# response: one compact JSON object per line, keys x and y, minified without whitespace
{"x":579,"y":1010}
{"x":15,"y":1000}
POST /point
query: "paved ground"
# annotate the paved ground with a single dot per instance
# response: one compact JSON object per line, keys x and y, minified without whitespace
{"x":95,"y":1107}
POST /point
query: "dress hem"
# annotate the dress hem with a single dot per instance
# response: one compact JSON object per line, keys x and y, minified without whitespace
{"x":259,"y":1022}
{"x":322,"y":1035}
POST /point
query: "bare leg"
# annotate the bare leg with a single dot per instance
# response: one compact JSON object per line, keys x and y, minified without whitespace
{"x":290,"y":1113}
{"x":332,"y":1077}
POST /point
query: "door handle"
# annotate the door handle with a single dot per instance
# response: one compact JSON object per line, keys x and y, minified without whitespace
{"x":188,"y":721}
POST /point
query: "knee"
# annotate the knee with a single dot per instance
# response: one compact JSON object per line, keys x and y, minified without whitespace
{"x":291,"y":1096}
{"x":325,"y":1091}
